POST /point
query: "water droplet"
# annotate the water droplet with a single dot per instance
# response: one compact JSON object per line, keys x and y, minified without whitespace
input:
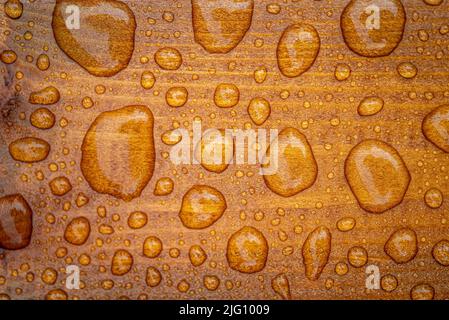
{"x":316,"y":251}
{"x":122,"y":262}
{"x":77,"y":231}
{"x":49,"y":276}
{"x":260,"y":74}
{"x":281,"y":286}
{"x":197,"y":255}
{"x":16,"y":222}
{"x":436,"y":127}
{"x":433,"y":2}
{"x":29,"y":150}
{"x":297,"y":49}
{"x":104,"y":43}
{"x":346,"y":224}
{"x":219,"y":26}
{"x":215,"y":150}
{"x":259,"y":110}
{"x":433,"y":198}
{"x":211,"y":283}
{"x":176,"y":97}
{"x":43,"y":62}
{"x":168,"y":58}
{"x":152,"y":247}
{"x":164,"y":187}
{"x":297,"y":168}
{"x":273,"y":8}
{"x":137,"y":220}
{"x":153,"y":277}
{"x":147,"y":80}
{"x":373,"y":28}
{"x":60,"y":186}
{"x":422,"y":291}
{"x":247,"y":250}
{"x":43,"y":118}
{"x":357,"y":257}
{"x":13,"y":9}
{"x":56,"y":294}
{"x":377,"y":175}
{"x":402,"y":246}
{"x":342,"y":72}
{"x":118,"y":152}
{"x":370,"y":106}
{"x":171,"y":137}
{"x":389,"y":283}
{"x":407,"y":70}
{"x":8,"y":56}
{"x":227,"y":95}
{"x":46,"y":96}
{"x":201,"y":207}
{"x":440,"y":252}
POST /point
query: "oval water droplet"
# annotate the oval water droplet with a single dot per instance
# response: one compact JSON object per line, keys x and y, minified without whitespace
{"x":295,"y":169}
{"x":197,"y":255}
{"x":297,"y":49}
{"x":226,"y":95}
{"x":215,"y":151}
{"x":47,"y":96}
{"x":377,"y":175}
{"x":118,"y":152}
{"x":259,"y":110}
{"x":43,"y":118}
{"x":77,"y":231}
{"x":29,"y":150}
{"x":370,"y":106}
{"x":122,"y":262}
{"x":16,"y":222}
{"x":436,"y":127}
{"x":168,"y":58}
{"x":440,"y":252}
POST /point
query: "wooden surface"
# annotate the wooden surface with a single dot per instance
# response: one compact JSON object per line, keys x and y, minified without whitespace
{"x":315,"y":98}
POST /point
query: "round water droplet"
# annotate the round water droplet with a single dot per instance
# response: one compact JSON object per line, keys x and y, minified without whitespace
{"x":373,"y":28}
{"x":153,"y":277}
{"x":389,"y":283}
{"x":43,"y":62}
{"x":164,"y":186}
{"x":201,"y":207}
{"x":215,"y":151}
{"x":259,"y":110}
{"x":137,"y":220}
{"x":152,"y":247}
{"x":101,"y":43}
{"x":407,"y":70}
{"x":176,"y":97}
{"x":8,"y":56}
{"x":13,"y":9}
{"x":370,"y":106}
{"x":377,"y":175}
{"x":289,"y":165}
{"x":402,"y":246}
{"x":297,"y":49}
{"x":247,"y":250}
{"x":433,"y":198}
{"x":219,"y":26}
{"x":316,"y":251}
{"x":147,"y":80}
{"x":43,"y":118}
{"x":342,"y":72}
{"x":436,"y":127}
{"x":227,"y":95}
{"x":29,"y":150}
{"x":211,"y":283}
{"x":357,"y":257}
{"x":77,"y":231}
{"x":440,"y":252}
{"x":168,"y":58}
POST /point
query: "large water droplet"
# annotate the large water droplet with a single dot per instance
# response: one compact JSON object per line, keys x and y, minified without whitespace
{"x":118,"y":152}
{"x":29,"y":150}
{"x":402,"y":246}
{"x":16,"y":222}
{"x":377,"y":175}
{"x":436,"y":127}
{"x":219,"y":26}
{"x":373,"y":28}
